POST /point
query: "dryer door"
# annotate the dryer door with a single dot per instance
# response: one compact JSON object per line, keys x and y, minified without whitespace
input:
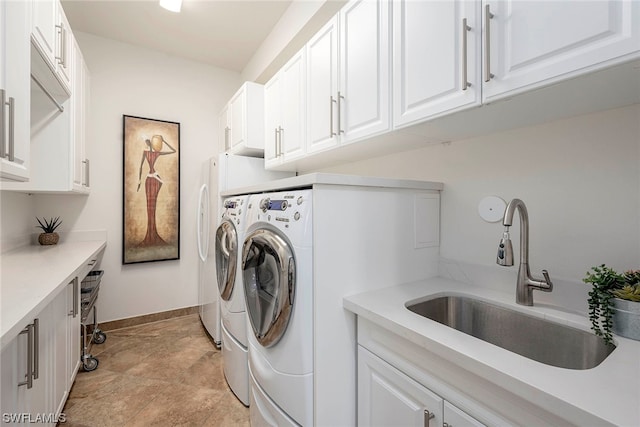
{"x":269,"y":278}
{"x":226,"y":258}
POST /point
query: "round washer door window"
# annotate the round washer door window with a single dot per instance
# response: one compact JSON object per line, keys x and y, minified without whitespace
{"x":268,"y":269}
{"x":226,"y":258}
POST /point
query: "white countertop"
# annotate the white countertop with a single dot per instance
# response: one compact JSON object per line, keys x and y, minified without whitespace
{"x":309,"y":180}
{"x":610,"y":391}
{"x":33,"y":275}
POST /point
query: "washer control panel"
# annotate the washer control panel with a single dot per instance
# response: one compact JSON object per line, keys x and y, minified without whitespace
{"x":233,"y":207}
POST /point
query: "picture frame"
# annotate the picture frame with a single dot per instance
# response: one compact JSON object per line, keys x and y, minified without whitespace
{"x":151,"y":190}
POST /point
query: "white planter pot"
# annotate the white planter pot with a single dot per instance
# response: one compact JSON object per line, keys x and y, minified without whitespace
{"x":626,"y":318}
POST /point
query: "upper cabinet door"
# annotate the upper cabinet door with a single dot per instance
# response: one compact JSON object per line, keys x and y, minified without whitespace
{"x":292,"y":134}
{"x":64,"y":57}
{"x":322,"y":88}
{"x":44,"y":33}
{"x":530,"y":43}
{"x":272,"y":113}
{"x":364,"y":99}
{"x":15,"y":90}
{"x":436,"y":58}
{"x":245,"y":121}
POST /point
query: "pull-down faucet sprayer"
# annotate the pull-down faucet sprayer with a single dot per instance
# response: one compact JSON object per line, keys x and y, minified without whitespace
{"x":525,"y":284}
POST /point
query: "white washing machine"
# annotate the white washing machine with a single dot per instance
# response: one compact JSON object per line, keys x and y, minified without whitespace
{"x":311,"y":240}
{"x":228,"y":240}
{"x":277,"y":266}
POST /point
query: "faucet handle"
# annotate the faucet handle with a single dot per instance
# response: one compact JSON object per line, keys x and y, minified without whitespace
{"x":547,"y":279}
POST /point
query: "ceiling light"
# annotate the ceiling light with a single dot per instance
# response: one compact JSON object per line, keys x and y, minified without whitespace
{"x":171,"y":5}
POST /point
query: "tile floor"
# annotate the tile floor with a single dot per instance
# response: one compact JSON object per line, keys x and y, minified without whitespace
{"x":166,"y":373}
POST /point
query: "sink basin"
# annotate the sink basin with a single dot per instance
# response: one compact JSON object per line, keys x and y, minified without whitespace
{"x":535,"y":338}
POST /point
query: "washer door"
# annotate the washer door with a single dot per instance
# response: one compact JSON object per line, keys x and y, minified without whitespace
{"x":269,"y":278}
{"x":226,"y":258}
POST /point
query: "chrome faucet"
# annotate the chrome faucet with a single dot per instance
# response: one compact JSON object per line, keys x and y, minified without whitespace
{"x":526,"y":284}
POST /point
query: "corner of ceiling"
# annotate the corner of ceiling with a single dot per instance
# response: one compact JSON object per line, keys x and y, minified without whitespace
{"x":301,"y":20}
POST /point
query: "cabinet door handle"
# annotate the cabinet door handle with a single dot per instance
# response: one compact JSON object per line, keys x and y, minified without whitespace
{"x":465,"y":29}
{"x":331,"y":102}
{"x":64,"y":46}
{"x":340,"y":97}
{"x":12,"y":129}
{"x":74,"y":310}
{"x":487,"y":42}
{"x":29,"y":376}
{"x":62,"y":59}
{"x":3,"y":125}
{"x":227,"y":143}
{"x":36,"y":348}
{"x":275,"y":142}
{"x":427,"y":417}
{"x":87,"y":174}
{"x":280,"y":131}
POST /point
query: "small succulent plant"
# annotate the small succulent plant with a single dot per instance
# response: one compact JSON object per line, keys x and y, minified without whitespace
{"x":48,"y":226}
{"x":628,"y":292}
{"x":607,"y":285}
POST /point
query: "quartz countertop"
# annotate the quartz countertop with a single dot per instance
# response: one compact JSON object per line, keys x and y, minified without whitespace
{"x":33,"y":275}
{"x":309,"y":180}
{"x":610,"y":392}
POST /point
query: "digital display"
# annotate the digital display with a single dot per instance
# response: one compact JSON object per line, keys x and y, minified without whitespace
{"x":278,"y":205}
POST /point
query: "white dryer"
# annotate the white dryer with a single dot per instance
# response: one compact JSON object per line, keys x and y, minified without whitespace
{"x":277,"y":268}
{"x":228,"y":239}
{"x":311,"y":240}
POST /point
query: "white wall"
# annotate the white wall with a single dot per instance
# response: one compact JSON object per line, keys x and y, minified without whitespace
{"x":17,"y":219}
{"x":129,"y":80}
{"x":579,"y":177}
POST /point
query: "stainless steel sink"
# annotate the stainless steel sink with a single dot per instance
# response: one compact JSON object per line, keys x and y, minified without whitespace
{"x":535,"y":338}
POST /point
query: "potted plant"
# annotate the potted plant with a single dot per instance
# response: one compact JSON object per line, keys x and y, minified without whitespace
{"x":614,"y":302}
{"x":48,"y":235}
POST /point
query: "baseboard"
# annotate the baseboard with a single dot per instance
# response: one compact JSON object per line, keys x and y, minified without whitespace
{"x":147,"y":318}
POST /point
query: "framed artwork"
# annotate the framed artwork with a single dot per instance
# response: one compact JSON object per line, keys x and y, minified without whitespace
{"x":151,"y":190}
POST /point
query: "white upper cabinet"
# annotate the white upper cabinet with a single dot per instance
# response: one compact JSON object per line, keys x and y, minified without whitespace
{"x":528,"y":44}
{"x":272,"y":113}
{"x":436,"y":58}
{"x":224,"y":126}
{"x":363,"y":96}
{"x":243,"y":121}
{"x":285,"y":97}
{"x":322,"y":88}
{"x":44,"y":33}
{"x":51,"y":41}
{"x":64,"y":61}
{"x":79,"y":115}
{"x":348,"y":76}
{"x":59,"y":162}
{"x":15,"y":97}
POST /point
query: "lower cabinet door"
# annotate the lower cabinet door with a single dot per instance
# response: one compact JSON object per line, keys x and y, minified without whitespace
{"x":454,"y":417}
{"x":387,"y":397}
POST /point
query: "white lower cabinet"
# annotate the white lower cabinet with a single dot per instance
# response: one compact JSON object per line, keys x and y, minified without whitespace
{"x":38,"y":366}
{"x":387,"y":397}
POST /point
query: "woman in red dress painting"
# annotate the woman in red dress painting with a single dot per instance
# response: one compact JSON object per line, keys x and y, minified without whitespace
{"x":152,"y":186}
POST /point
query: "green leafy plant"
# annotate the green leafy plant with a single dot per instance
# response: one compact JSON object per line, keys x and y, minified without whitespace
{"x":608,"y":284}
{"x":48,"y":226}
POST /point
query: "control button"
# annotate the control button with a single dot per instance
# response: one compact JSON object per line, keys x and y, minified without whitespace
{"x":264,"y":204}
{"x":284,"y":205}
{"x":296,"y":216}
{"x":300,"y":200}
{"x":239,"y":211}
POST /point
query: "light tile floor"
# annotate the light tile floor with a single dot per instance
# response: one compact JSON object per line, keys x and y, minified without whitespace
{"x":166,"y":373}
